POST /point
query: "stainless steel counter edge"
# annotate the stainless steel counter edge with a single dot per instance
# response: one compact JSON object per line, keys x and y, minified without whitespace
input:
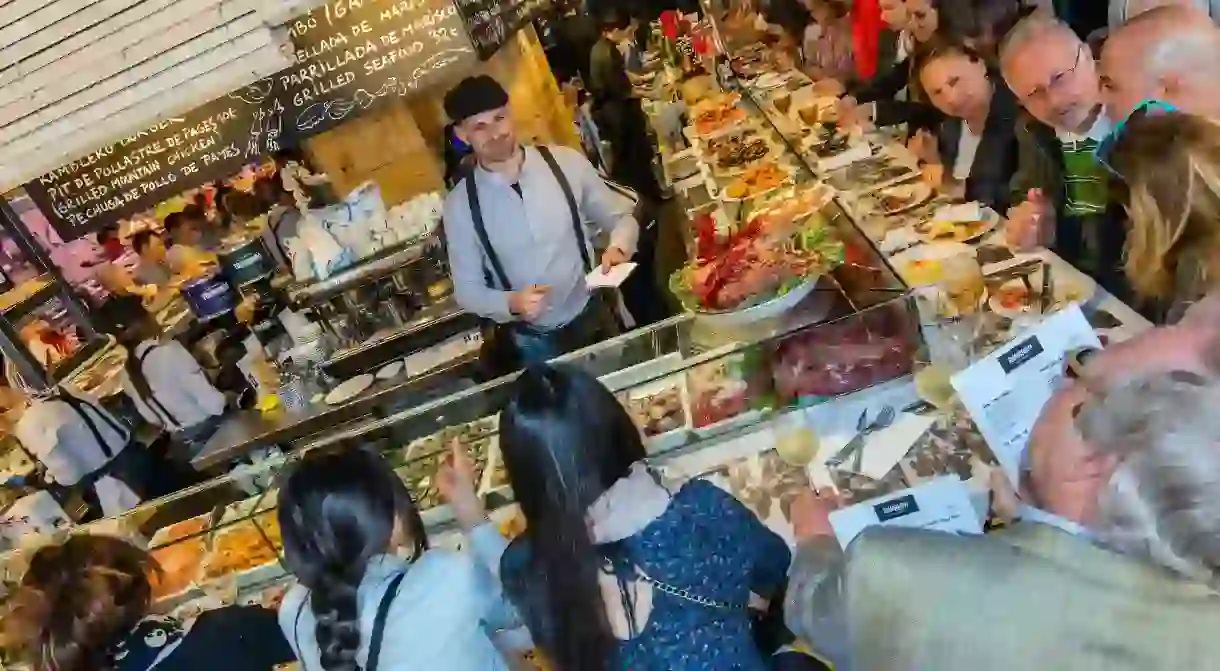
{"x":248,"y":430}
{"x":433,"y":315}
{"x":363,"y":271}
{"x":662,"y":370}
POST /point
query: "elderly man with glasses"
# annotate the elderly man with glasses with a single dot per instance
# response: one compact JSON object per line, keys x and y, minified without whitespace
{"x":1116,"y":567}
{"x":1065,"y":193}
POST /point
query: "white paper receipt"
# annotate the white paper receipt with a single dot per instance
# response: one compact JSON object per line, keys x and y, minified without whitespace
{"x":942,"y":504}
{"x":1006,"y":391}
{"x":596,"y":279}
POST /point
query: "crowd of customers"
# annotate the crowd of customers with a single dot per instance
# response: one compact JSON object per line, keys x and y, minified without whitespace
{"x":1107,"y":151}
{"x":1110,"y":558}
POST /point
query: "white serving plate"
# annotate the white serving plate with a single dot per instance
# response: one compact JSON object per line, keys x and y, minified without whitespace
{"x":349,"y":389}
{"x":390,"y":370}
{"x":1065,"y":290}
{"x":768,"y":309}
{"x":931,"y":251}
{"x":920,"y":192}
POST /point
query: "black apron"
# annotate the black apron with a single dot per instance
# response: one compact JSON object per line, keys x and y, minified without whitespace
{"x":509,"y":347}
{"x":132,"y":467}
{"x":151,"y":400}
{"x":174,"y":448}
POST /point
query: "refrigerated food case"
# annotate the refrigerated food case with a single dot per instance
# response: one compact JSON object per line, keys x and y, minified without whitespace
{"x":688,"y":388}
{"x":693,"y":383}
{"x":45,"y":330}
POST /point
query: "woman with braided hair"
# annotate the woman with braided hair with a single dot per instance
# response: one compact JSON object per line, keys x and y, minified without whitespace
{"x":372,"y":596}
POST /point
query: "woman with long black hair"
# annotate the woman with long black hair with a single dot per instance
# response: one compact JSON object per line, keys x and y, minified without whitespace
{"x":346,"y":519}
{"x":615,"y":570}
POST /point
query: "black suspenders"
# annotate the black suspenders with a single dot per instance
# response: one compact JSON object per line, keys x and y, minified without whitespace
{"x":480,"y":229}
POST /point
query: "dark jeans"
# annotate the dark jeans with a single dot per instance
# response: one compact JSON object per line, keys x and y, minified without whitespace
{"x":595,"y":324}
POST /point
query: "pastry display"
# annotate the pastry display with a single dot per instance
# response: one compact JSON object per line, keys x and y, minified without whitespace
{"x":470,"y":434}
{"x":177,"y":550}
{"x":425,"y":456}
{"x":242,"y":546}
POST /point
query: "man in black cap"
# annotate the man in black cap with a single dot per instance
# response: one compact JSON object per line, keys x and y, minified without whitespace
{"x":517,"y":247}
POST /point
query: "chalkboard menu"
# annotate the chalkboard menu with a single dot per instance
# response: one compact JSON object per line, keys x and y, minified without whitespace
{"x":492,"y":22}
{"x":351,"y":55}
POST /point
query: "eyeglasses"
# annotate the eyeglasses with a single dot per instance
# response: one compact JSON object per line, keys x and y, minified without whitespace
{"x":1056,"y":82}
{"x":1105,"y":149}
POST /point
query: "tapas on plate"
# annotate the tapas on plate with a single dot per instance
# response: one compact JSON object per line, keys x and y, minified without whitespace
{"x":1021,"y":296}
{"x":717,"y":114}
{"x":871,"y":173}
{"x":797,"y":202}
{"x":825,"y":138}
{"x":902,"y":197}
{"x":934,"y":230}
{"x":755,"y":181}
{"x":922,"y":265}
{"x":712,"y":147}
{"x":740,"y":151}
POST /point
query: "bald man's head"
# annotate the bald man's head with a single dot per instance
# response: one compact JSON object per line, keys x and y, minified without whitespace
{"x":1052,"y":73}
{"x":1168,"y":53}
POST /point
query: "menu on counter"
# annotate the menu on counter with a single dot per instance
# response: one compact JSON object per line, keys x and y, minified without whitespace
{"x":1006,"y":391}
{"x":491,"y":22}
{"x":942,"y":504}
{"x":351,"y":55}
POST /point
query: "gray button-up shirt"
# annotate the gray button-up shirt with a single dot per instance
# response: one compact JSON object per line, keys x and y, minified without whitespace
{"x":532,"y":235}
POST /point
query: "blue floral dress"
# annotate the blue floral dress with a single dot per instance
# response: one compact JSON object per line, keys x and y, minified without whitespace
{"x":707,"y":543}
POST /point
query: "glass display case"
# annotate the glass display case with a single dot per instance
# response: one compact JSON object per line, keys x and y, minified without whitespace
{"x":691,"y":382}
{"x":45,"y":331}
{"x":221,"y":540}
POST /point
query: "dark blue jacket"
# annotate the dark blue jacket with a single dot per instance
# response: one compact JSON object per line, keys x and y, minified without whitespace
{"x":706,"y":542}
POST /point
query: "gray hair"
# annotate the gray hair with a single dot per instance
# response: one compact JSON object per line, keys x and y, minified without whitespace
{"x":1162,"y":502}
{"x":1035,"y":26}
{"x":1180,"y":37}
{"x":1122,"y":11}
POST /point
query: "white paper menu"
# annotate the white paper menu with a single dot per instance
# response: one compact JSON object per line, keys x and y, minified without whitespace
{"x":1006,"y":391}
{"x":942,"y":504}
